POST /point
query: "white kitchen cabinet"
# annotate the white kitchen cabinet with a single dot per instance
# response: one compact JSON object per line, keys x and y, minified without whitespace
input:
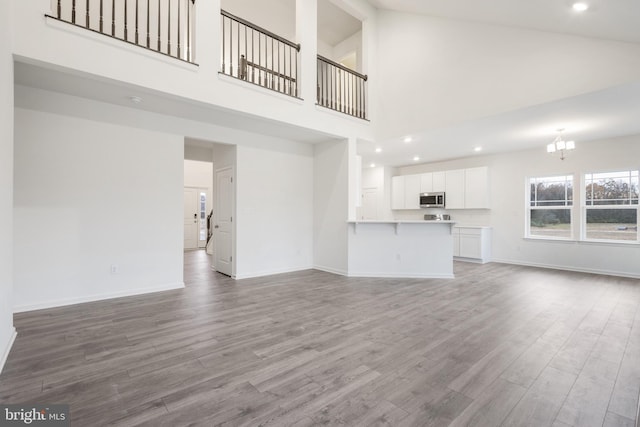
{"x":397,"y":192}
{"x":464,"y":188}
{"x":454,"y":188}
{"x":405,"y":192}
{"x":438,"y":181}
{"x":412,"y":192}
{"x":472,"y":243}
{"x":476,"y":188}
{"x":426,"y":182}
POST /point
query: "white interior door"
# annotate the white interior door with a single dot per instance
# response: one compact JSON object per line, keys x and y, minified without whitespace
{"x":369,"y":208}
{"x":191,"y":218}
{"x":222,"y":229}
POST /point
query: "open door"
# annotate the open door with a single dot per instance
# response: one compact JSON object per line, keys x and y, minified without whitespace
{"x":223,"y":225}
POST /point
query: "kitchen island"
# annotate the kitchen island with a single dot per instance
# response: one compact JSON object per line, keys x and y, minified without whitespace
{"x":411,"y":249}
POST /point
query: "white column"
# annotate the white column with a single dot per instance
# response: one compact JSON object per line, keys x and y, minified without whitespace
{"x":307,"y":36}
{"x":208,"y":36}
{"x":6,"y":179}
{"x":354,"y":177}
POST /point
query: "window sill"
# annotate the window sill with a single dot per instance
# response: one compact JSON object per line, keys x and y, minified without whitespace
{"x":618,"y":243}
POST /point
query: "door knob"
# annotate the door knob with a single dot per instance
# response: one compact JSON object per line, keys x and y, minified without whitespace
{"x":195,"y":215}
{"x":216,"y":226}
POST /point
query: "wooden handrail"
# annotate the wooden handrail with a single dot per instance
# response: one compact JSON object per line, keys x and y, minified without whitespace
{"x":260,"y":29}
{"x":342,"y":67}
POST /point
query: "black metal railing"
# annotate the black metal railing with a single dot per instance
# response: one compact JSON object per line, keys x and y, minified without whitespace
{"x":164,"y":26}
{"x":258,"y":56}
{"x":341,"y":89}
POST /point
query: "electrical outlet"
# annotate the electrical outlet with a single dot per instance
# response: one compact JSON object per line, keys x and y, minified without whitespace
{"x":114,"y":268}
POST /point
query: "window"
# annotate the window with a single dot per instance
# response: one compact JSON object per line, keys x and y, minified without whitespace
{"x":611,"y":206}
{"x":550,"y":203}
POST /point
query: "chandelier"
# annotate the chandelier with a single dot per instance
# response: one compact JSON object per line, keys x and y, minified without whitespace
{"x":559,"y":145}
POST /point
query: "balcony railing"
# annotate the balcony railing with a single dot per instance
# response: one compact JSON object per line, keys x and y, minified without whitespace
{"x":255,"y":55}
{"x":164,"y":26}
{"x":341,"y":89}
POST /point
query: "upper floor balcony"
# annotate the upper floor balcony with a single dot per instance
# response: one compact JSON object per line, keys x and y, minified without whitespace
{"x":135,"y":42}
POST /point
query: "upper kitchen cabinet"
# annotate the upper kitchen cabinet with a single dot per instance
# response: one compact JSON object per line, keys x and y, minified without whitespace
{"x":464,"y":188}
{"x":476,"y":188}
{"x":405,"y":192}
{"x":455,"y":189}
{"x":432,"y":182}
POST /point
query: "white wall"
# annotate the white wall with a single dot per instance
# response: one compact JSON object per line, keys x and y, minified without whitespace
{"x":509,"y":173}
{"x":6,"y":180}
{"x":436,"y":72}
{"x":331,"y":206}
{"x":197,"y":153}
{"x":89,"y":195}
{"x":198,"y":174}
{"x":274,"y":194}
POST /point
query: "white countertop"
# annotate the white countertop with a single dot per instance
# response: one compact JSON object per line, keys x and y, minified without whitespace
{"x":399,"y":221}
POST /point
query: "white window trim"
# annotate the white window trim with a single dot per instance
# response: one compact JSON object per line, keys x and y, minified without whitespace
{"x":528,"y":208}
{"x":584,"y":207}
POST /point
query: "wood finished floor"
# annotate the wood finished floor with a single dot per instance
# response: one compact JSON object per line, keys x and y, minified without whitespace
{"x":498,"y":345}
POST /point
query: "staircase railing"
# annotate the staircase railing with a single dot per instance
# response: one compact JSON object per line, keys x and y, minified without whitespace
{"x":341,"y":89}
{"x":258,"y":56}
{"x":164,"y":26}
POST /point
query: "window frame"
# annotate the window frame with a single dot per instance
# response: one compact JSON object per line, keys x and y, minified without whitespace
{"x":584,"y":207}
{"x":570,"y":207}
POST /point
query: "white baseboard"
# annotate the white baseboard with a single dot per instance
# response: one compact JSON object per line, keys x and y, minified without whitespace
{"x":330,"y":270}
{"x":401,"y":275}
{"x":99,"y":297}
{"x":7,"y":349}
{"x":270,"y":272}
{"x":569,"y":268}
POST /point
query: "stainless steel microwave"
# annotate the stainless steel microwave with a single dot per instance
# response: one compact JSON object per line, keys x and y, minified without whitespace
{"x":432,"y":200}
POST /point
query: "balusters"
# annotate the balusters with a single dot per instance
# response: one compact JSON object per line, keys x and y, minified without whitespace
{"x":169,"y":27}
{"x":87,"y":15}
{"x":136,"y":21}
{"x":125,"y":21}
{"x":159,"y":29}
{"x":340,"y":88}
{"x":188,"y":31}
{"x":179,"y":1}
{"x":148,"y":19}
{"x":178,"y":23}
{"x":224,"y":44}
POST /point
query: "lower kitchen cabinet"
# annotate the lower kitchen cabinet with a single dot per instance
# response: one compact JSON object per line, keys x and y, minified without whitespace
{"x":472,"y":243}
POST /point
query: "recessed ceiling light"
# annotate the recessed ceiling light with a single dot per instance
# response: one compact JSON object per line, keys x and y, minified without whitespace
{"x":378,"y":150}
{"x":135,"y":99}
{"x":477,"y":149}
{"x":416,"y":158}
{"x":373,"y":165}
{"x":408,"y":139}
{"x":580,"y":7}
